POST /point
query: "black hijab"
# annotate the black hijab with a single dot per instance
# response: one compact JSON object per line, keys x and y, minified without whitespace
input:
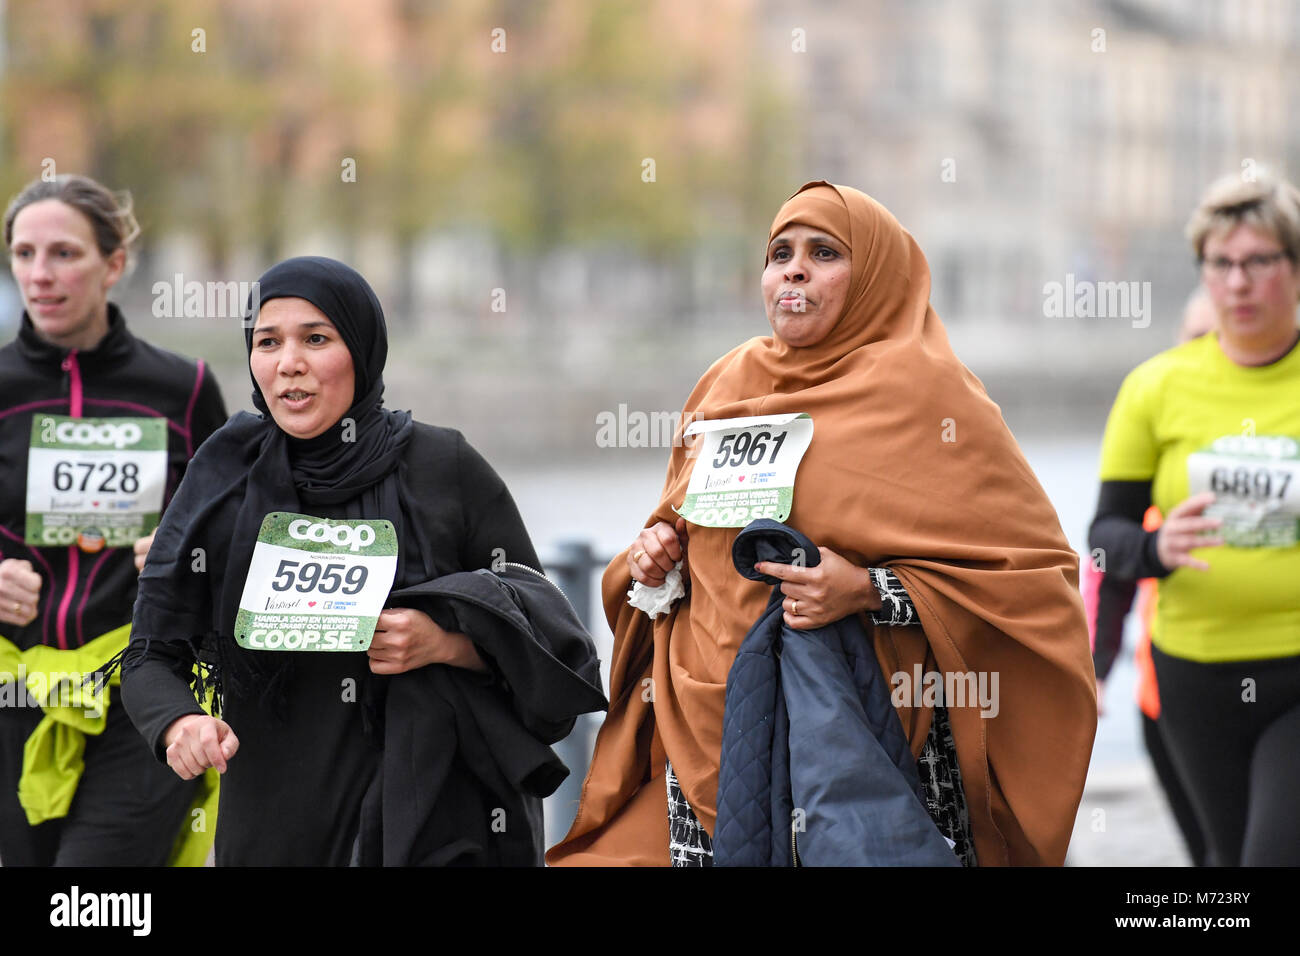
{"x":191,"y":586}
{"x":366,"y":443}
{"x":353,"y":460}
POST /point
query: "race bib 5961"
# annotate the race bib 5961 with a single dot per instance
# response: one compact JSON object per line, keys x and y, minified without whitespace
{"x":745,"y":469}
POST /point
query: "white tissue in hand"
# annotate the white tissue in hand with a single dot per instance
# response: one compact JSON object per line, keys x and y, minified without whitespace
{"x":656,"y":601}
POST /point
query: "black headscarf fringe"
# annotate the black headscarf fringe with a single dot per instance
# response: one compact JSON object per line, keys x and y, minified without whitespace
{"x":206,"y":682}
{"x":97,"y":681}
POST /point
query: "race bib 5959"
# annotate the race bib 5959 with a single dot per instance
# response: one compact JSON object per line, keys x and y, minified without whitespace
{"x":316,"y":584}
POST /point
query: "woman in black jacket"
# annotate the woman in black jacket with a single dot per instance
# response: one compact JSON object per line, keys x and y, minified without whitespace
{"x":96,"y":429}
{"x":308,"y":519}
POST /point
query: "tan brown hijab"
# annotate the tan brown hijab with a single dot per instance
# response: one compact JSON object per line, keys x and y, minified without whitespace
{"x":911,"y":467}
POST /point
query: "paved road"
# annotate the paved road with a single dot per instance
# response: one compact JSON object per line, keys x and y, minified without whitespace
{"x":1124,"y":820}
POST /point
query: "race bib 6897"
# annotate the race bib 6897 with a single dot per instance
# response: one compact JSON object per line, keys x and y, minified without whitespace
{"x":1256,"y":482}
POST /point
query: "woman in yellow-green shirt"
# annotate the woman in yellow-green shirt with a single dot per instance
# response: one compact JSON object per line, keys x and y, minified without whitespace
{"x":1209,"y":432}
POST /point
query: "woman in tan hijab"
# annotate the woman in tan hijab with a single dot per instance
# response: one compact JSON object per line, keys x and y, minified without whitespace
{"x":911,"y":483}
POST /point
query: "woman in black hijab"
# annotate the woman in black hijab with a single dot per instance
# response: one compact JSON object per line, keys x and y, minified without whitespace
{"x":302,"y":737}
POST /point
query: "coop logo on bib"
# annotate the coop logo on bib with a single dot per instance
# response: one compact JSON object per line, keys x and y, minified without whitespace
{"x":354,"y":538}
{"x":1256,"y":446}
{"x":91,"y":435}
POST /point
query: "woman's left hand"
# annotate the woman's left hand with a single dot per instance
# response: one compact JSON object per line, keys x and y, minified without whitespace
{"x":406,"y":639}
{"x":815,"y":597}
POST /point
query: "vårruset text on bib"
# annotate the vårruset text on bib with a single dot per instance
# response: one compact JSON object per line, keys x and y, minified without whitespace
{"x":1256,"y":481}
{"x":745,"y":469}
{"x":316,"y":584}
{"x":94,"y":482}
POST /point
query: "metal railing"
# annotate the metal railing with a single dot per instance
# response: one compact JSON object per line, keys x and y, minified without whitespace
{"x":572,"y":565}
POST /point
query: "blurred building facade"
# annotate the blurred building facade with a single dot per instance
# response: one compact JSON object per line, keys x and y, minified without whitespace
{"x":1023,"y":140}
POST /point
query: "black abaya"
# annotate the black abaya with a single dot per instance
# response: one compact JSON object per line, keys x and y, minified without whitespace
{"x":293,"y":790}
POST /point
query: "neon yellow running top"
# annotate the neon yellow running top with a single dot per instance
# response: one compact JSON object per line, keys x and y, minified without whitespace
{"x":1191,"y":419}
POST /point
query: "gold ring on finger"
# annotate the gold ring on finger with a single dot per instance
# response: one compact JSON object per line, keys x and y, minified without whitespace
{"x":794,"y":608}
{"x":637,"y":556}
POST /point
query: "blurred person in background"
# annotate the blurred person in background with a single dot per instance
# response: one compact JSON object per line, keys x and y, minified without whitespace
{"x":1209,"y":432}
{"x":1109,"y":599}
{"x":943,"y":544}
{"x":96,"y":430}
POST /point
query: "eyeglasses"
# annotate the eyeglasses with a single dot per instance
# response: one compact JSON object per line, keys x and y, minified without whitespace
{"x":1256,"y":267}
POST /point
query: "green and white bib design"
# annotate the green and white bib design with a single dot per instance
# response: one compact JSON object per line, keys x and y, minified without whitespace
{"x":745,"y":469}
{"x":1256,"y":480}
{"x":316,"y":584}
{"x":94,"y":481}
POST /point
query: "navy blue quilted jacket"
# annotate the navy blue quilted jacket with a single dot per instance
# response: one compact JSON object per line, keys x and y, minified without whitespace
{"x":814,"y":760}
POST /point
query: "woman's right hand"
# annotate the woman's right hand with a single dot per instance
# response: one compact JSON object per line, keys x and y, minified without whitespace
{"x":196,"y":742}
{"x":20,"y":592}
{"x":656,"y":551}
{"x":1182,"y":531}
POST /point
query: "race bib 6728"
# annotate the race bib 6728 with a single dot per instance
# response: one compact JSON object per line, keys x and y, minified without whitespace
{"x":94,"y":482}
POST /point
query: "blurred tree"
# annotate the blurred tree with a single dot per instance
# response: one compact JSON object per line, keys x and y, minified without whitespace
{"x":229,"y":121}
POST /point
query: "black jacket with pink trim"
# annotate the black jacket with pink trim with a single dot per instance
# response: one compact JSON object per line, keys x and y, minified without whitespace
{"x":87,"y":593}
